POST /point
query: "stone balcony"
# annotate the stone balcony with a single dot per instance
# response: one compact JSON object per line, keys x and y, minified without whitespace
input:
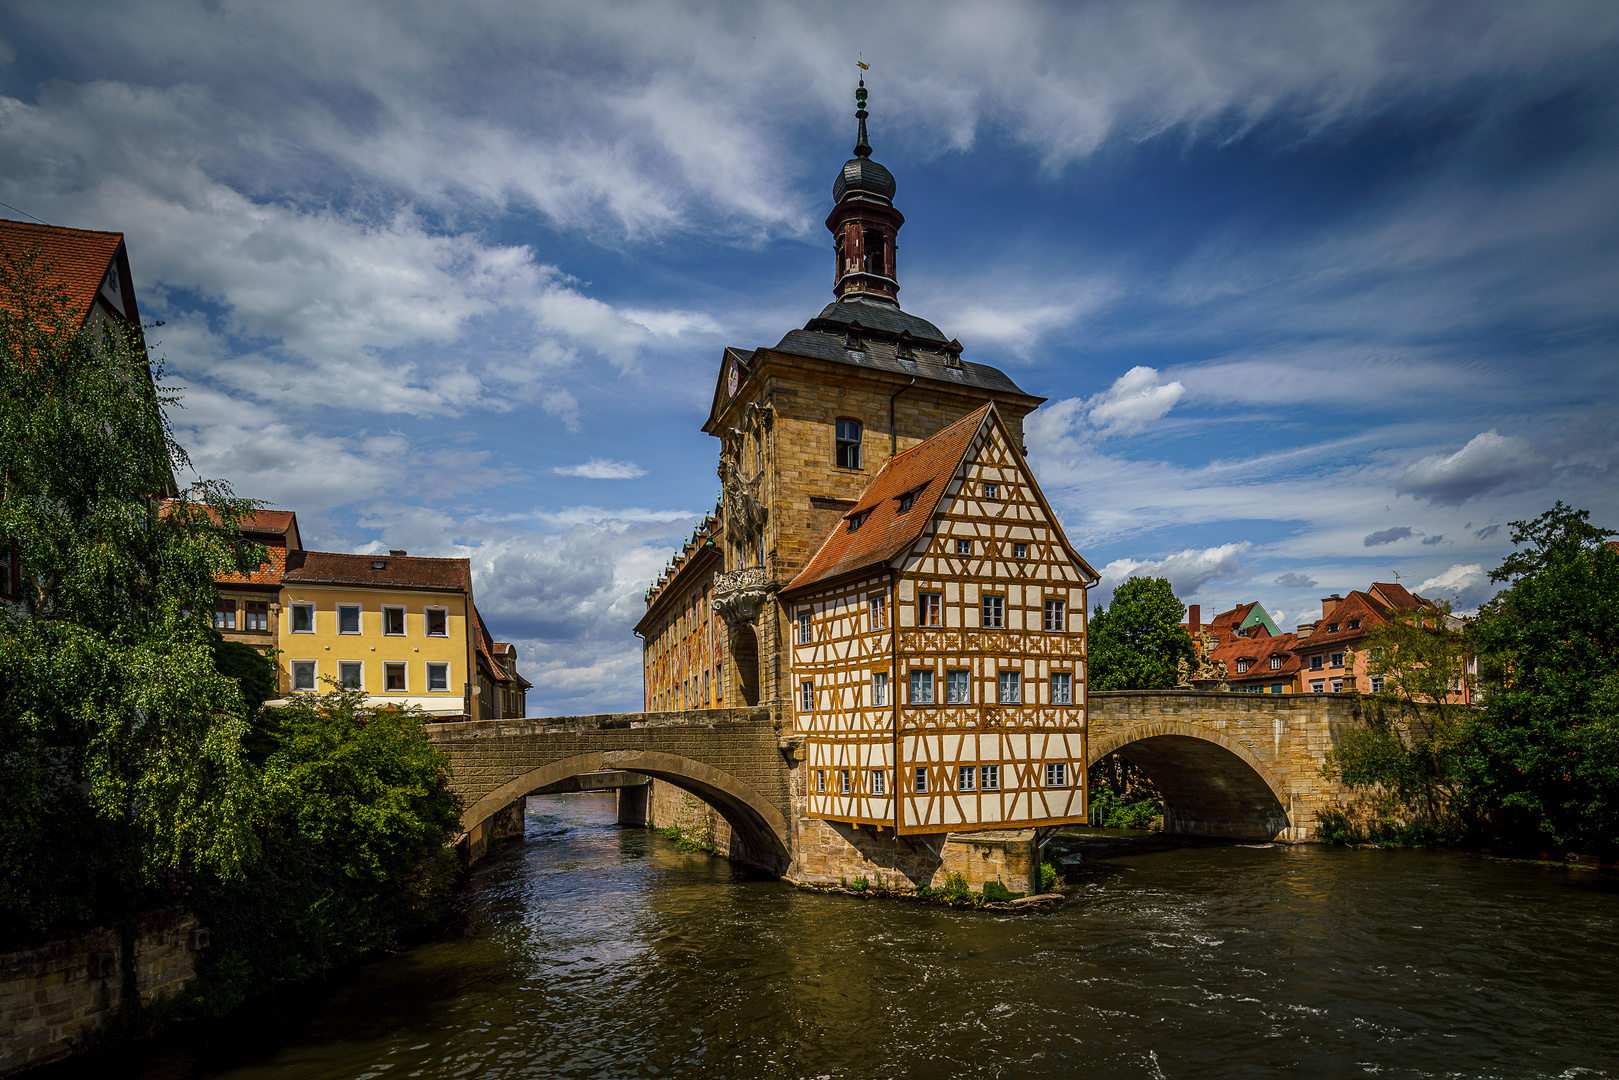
{"x":739,"y":594}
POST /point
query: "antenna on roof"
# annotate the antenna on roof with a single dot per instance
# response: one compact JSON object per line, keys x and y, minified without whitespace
{"x":1396,"y":577}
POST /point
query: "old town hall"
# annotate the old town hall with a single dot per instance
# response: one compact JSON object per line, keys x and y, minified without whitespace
{"x":882,"y":570}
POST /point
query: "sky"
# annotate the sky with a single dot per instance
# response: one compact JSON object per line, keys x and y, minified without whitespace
{"x":1319,"y":294}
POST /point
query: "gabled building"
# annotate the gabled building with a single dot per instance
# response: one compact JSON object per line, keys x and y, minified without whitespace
{"x":938,"y":646}
{"x":1324,"y":647}
{"x":249,"y":608}
{"x":92,"y":267}
{"x":1249,"y":648}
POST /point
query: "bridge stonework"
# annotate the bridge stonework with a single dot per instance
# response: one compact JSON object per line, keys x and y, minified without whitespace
{"x":1234,"y":765}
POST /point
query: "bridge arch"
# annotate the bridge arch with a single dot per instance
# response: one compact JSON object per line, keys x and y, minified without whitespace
{"x":1212,"y":784}
{"x":756,"y":823}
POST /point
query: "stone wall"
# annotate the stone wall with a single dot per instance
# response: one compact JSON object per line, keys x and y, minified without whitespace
{"x":55,"y":997}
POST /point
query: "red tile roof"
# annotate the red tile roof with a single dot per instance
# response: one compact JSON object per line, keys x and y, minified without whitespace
{"x":270,"y":522}
{"x":1397,"y":596}
{"x":1258,"y":651}
{"x":81,"y":255}
{"x":397,"y":571}
{"x":926,"y":469}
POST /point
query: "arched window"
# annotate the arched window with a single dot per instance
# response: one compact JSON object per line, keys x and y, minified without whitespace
{"x":874,"y":245}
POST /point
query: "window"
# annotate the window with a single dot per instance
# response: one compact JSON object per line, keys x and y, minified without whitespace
{"x":804,"y":628}
{"x":1054,"y":615}
{"x":348,"y":618}
{"x":921,"y":781}
{"x":1020,"y":551}
{"x":957,"y":687}
{"x":994,"y":612}
{"x":908,"y":500}
{"x":843,"y":781}
{"x":992,"y":491}
{"x":1337,"y":659}
{"x":349,"y":675}
{"x":303,"y":674}
{"x":806,"y":696}
{"x":878,"y":607}
{"x":438,"y":622}
{"x":1316,"y":662}
{"x":393,"y":621}
{"x":1337,"y":686}
{"x":1354,"y":624}
{"x":1062,"y":688}
{"x":1011,"y":688}
{"x":438,"y":676}
{"x":256,"y":615}
{"x":964,"y":547}
{"x":225,"y":615}
{"x":857,"y":520}
{"x":879,"y":782}
{"x":927,"y":609}
{"x":966,"y":777}
{"x":820,"y":780}
{"x":1276,"y":688}
{"x":1276,"y":663}
{"x":922,"y":687}
{"x":393,"y":677}
{"x":1056,"y":774}
{"x":1242,"y":666}
{"x":1377,"y":684}
{"x":1318,"y":686}
{"x":873,"y":248}
{"x":879,"y":688}
{"x":1332,"y":628}
{"x":848,"y":437}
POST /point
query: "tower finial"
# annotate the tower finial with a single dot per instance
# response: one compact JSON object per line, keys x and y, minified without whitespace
{"x":862,"y":148}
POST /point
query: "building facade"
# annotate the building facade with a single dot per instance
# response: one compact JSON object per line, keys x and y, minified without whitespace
{"x":1245,"y":650}
{"x":683,"y":644}
{"x":1333,"y":652}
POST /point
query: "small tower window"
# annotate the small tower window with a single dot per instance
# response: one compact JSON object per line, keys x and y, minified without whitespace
{"x":874,"y":253}
{"x":848,"y":438}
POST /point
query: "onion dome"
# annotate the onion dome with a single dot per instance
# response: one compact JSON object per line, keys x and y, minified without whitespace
{"x":860,"y":173}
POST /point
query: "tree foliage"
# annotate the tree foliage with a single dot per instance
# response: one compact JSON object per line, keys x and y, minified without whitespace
{"x":1135,"y":643}
{"x":354,"y":818}
{"x":121,"y":738}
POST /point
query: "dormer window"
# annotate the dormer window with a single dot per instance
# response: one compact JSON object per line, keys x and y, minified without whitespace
{"x":379,"y":564}
{"x":908,"y":500}
{"x":1276,"y":663}
{"x":1242,"y":666}
{"x":1332,"y":628}
{"x":857,"y":520}
{"x":1354,"y":624}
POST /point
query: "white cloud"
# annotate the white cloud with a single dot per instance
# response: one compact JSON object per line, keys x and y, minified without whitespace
{"x":1465,"y":586}
{"x":1188,"y":571}
{"x":1490,"y":462}
{"x":602,"y":469}
{"x":1136,"y":399}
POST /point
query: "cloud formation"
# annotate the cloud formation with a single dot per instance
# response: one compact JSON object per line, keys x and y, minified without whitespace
{"x":1465,"y":586}
{"x":1387,"y":536}
{"x":1296,"y":581}
{"x":1188,"y":570}
{"x":1490,"y":462}
{"x":602,"y":469}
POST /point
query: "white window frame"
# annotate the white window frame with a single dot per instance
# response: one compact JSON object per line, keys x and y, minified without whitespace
{"x":404,"y":623}
{"x":820,"y":781}
{"x":395,"y":663}
{"x":806,"y":695}
{"x":1020,"y":550}
{"x":1062,"y":687}
{"x":922,"y":679}
{"x":1336,"y":660}
{"x":341,"y":664}
{"x":1055,"y":615}
{"x":225,"y":612}
{"x":359,"y":620}
{"x":966,"y":777}
{"x":314,"y":678}
{"x":247,"y":615}
{"x":1377,"y":684}
{"x":1337,"y":686}
{"x":877,"y":609}
{"x":1242,"y":667}
{"x":958,"y":690}
{"x":1318,"y":686}
{"x":989,"y":778}
{"x":992,"y":490}
{"x":994,"y":611}
{"x":431,"y":664}
{"x":879,"y":688}
{"x":1318,"y":661}
{"x":845,"y":782}
{"x":921,"y":780}
{"x":427,"y":620}
{"x":1056,"y":774}
{"x":292,"y":619}
{"x":879,"y":783}
{"x":1011,"y":679}
{"x":806,"y":633}
{"x":1276,"y":663}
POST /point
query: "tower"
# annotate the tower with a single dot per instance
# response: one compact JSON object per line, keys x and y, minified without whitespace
{"x":864,"y":224}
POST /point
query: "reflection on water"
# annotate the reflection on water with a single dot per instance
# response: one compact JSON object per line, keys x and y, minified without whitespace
{"x":591,"y":950}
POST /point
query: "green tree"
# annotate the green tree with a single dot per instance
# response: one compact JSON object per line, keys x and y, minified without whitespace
{"x":1135,"y":643}
{"x":1546,"y":757}
{"x":354,"y":820}
{"x":121,"y":738}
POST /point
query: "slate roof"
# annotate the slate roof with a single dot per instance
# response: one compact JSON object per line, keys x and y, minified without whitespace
{"x":925,"y":468}
{"x":398,"y":571}
{"x":82,"y":256}
{"x":880,"y":325}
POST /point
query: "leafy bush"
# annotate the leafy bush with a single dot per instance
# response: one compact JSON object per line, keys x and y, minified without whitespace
{"x":996,"y":893}
{"x":1048,"y":876}
{"x":955,"y":887}
{"x":861,"y":884}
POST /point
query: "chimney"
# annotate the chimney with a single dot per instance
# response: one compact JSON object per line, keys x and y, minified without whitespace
{"x":1304,"y":630}
{"x":395,"y":551}
{"x":1328,"y":603}
{"x":1194,"y":618}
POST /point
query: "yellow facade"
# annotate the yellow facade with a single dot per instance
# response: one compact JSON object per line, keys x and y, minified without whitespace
{"x":346,"y":636}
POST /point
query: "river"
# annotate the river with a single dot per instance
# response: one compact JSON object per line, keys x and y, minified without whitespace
{"x":590,"y":950}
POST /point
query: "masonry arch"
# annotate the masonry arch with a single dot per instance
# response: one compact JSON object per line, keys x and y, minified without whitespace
{"x":759,"y":827}
{"x":745,"y":662}
{"x":1212,"y":784}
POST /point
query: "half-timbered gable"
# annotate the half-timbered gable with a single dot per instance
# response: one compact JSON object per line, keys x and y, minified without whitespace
{"x":974,"y":717}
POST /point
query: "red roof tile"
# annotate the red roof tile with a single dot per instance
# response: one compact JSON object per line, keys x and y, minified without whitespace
{"x":926,"y":469}
{"x":81,"y":255}
{"x":397,"y":571}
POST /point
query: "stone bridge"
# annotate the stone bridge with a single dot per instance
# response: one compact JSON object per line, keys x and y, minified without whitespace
{"x":1235,"y":765}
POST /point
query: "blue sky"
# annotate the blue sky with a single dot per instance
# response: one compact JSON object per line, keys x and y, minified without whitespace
{"x":1318,"y":293}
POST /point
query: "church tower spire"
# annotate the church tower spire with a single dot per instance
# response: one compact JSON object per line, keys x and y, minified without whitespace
{"x":863,"y":222}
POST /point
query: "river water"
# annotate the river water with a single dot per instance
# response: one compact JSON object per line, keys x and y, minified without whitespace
{"x":590,"y":950}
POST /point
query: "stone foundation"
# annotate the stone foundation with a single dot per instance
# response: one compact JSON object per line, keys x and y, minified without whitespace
{"x":55,"y":997}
